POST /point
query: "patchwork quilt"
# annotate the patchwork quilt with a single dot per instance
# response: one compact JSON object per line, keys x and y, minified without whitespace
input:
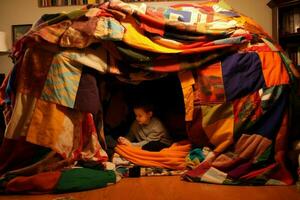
{"x":236,"y":82}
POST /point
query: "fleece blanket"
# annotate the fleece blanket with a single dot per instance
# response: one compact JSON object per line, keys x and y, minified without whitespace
{"x":236,"y":82}
{"x":172,"y":157}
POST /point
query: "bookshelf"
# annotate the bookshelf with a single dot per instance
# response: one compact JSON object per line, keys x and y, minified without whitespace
{"x":286,"y":31}
{"x":53,"y":3}
{"x":2,"y":121}
{"x":286,"y":27}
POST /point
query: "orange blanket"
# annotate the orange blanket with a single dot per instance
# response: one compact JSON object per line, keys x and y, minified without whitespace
{"x":171,"y":158}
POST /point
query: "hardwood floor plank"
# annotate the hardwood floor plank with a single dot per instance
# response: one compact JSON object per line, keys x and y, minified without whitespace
{"x":171,"y":188}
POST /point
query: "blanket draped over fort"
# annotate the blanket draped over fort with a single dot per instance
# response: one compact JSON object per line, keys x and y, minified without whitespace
{"x":236,"y":83}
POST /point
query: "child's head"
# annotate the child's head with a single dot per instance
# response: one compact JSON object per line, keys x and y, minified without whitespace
{"x":143,"y":113}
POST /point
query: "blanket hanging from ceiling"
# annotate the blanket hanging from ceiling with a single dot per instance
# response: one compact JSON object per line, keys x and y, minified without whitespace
{"x":235,"y":81}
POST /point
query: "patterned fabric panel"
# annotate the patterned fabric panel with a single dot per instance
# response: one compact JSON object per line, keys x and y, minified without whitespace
{"x":54,"y":32}
{"x":266,"y":118}
{"x":214,"y":175}
{"x":19,"y":123}
{"x":62,"y":82}
{"x":178,"y":15}
{"x":33,"y":73}
{"x":195,"y":130}
{"x":249,"y":163}
{"x":187,"y":81}
{"x":209,"y":86}
{"x":252,"y":147}
{"x":247,"y":110}
{"x":273,"y":68}
{"x":67,"y":132}
{"x":218,"y":122}
{"x":96,"y":58}
{"x":55,"y":127}
{"x":109,"y":29}
{"x":79,"y":33}
{"x":134,"y":37}
{"x":242,"y":74}
{"x":75,"y":38}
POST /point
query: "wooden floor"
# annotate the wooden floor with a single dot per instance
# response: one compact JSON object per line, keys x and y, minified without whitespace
{"x":171,"y":188}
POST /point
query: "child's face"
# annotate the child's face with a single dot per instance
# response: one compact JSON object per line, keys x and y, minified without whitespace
{"x":141,"y":116}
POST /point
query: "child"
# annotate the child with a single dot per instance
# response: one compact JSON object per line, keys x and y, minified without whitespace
{"x":147,"y":130}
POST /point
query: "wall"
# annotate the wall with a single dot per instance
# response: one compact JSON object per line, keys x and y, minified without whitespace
{"x":27,"y":12}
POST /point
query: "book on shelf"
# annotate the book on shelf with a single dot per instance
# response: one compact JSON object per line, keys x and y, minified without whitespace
{"x":50,"y":3}
{"x":290,"y":21}
{"x":298,"y":58}
{"x":294,"y":55}
{"x":297,"y":20}
{"x":291,"y":27}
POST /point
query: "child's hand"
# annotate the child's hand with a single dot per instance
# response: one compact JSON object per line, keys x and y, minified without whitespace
{"x":124,"y":141}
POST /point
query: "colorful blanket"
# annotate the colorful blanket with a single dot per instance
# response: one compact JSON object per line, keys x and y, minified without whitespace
{"x":236,"y":82}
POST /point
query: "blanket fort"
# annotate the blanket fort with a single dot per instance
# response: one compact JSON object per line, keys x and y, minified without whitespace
{"x":236,"y":85}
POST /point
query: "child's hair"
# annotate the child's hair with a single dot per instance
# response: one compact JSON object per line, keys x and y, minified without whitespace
{"x":147,"y":107}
